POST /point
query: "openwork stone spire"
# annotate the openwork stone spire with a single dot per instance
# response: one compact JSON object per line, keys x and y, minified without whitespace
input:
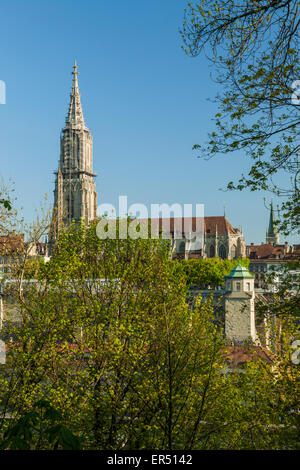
{"x":75,"y":196}
{"x":75,"y":115}
{"x":272,"y":235}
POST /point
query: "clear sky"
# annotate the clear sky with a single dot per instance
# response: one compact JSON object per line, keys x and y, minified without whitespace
{"x":145,"y":101}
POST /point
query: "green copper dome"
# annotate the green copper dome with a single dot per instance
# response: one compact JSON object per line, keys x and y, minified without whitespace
{"x":240,"y":272}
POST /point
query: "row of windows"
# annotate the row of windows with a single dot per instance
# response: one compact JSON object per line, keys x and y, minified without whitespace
{"x":222,"y":253}
{"x":238,"y":286}
{"x":254,"y":268}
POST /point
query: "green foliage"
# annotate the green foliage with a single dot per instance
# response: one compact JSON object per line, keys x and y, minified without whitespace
{"x":31,"y":268}
{"x":254,"y":48}
{"x":209,"y":272}
{"x":285,"y":299}
{"x":40,"y":428}
{"x":7,"y":204}
{"x":108,"y":337}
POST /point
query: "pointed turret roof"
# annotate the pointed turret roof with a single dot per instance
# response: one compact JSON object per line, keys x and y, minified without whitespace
{"x":75,"y":115}
{"x":240,"y":272}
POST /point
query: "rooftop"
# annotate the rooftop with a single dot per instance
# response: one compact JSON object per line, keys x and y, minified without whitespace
{"x":240,"y":272}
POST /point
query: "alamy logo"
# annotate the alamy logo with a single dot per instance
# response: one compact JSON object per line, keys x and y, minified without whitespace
{"x":182,"y":226}
{"x":2,"y":92}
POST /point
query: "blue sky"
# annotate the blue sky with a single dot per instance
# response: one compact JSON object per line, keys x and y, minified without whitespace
{"x":145,"y":101}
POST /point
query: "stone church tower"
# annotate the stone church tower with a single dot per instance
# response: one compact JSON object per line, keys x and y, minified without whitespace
{"x":75,"y":194}
{"x":272,"y":235}
{"x":239,"y":306}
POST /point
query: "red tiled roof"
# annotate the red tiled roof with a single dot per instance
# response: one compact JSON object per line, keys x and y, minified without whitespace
{"x":238,"y":355}
{"x":12,"y":242}
{"x":181,"y":224}
{"x":269,"y":251}
{"x":221,"y":223}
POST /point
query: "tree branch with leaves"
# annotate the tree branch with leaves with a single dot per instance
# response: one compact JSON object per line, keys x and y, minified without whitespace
{"x":253,"y":46}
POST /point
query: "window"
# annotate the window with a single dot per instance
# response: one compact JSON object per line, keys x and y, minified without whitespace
{"x":182,"y":247}
{"x":222,"y":252}
{"x":233,"y":251}
{"x":238,"y":286}
{"x":248,"y":285}
{"x":212,"y":251}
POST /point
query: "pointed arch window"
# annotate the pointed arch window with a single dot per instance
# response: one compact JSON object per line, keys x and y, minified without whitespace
{"x":78,"y":150}
{"x":70,"y":206}
{"x":222,"y":252}
{"x":212,"y":251}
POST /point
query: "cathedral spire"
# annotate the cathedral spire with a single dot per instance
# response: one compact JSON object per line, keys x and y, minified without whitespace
{"x":272,"y":235}
{"x":75,"y":115}
{"x":271,"y":220}
{"x":75,"y":196}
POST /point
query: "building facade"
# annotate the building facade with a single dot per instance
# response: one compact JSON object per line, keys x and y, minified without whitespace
{"x":75,"y":194}
{"x":213,"y":237}
{"x":239,"y":306}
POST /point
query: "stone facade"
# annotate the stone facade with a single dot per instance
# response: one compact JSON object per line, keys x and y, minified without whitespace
{"x":239,"y":306}
{"x":218,"y":238}
{"x":267,"y":257}
{"x":75,"y":194}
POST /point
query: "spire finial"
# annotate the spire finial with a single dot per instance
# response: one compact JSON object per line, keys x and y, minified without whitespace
{"x":75,"y":115}
{"x":75,"y":71}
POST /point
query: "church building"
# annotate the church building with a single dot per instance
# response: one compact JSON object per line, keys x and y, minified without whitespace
{"x":75,"y":194}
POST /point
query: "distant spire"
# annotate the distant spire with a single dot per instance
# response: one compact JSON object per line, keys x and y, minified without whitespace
{"x":75,"y":114}
{"x":271,"y":221}
{"x":272,"y":233}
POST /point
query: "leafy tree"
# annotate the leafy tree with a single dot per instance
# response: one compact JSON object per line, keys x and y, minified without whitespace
{"x":40,"y":428}
{"x":10,"y":221}
{"x":284,"y":281}
{"x":202,"y":273}
{"x":107,"y":336}
{"x":254,"y":48}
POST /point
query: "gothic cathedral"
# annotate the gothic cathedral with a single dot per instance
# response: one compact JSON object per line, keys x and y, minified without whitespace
{"x":75,"y":194}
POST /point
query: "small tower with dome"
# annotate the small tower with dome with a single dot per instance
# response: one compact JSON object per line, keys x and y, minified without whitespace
{"x":239,"y":306}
